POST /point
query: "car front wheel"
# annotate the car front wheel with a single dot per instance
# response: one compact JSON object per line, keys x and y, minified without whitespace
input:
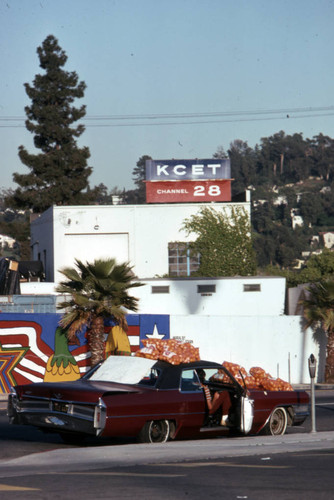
{"x":277,"y":423}
{"x":155,"y":431}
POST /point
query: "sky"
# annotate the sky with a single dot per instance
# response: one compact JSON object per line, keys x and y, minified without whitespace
{"x":171,"y":78}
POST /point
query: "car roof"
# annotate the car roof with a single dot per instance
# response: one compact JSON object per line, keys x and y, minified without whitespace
{"x":170,"y":374}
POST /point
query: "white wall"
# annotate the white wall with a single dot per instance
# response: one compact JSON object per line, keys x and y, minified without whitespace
{"x":230,"y":299}
{"x":280,"y":345}
{"x":42,"y":242}
{"x":136,"y":233}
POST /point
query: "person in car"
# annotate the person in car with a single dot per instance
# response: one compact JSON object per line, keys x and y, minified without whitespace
{"x":219,"y":399}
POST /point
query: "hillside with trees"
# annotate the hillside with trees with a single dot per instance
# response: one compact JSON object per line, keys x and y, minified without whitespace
{"x":292,"y":185}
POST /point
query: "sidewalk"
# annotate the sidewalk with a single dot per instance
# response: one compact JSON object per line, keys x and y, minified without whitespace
{"x":90,"y":458}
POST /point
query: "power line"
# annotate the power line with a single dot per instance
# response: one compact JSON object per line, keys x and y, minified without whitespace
{"x":198,"y":118}
{"x":210,"y":114}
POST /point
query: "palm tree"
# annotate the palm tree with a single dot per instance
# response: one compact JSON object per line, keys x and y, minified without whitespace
{"x":319,"y":310}
{"x":97,"y":291}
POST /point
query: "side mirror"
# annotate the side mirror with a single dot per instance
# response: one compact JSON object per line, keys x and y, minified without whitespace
{"x":312,"y":365}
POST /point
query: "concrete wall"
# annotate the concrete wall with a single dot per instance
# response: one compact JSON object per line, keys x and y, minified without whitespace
{"x":136,"y":233}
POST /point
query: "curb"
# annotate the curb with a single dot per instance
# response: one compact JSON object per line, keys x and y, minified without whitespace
{"x":317,"y":386}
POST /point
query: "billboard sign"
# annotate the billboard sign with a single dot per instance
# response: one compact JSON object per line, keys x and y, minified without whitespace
{"x":188,"y":191}
{"x":182,"y":170}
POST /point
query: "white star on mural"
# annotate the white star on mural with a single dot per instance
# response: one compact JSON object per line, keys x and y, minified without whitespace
{"x":155,"y":334}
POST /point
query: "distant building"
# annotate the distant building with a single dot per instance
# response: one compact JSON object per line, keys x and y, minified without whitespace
{"x":7,"y":240}
{"x":149,"y":237}
{"x":328,"y":239}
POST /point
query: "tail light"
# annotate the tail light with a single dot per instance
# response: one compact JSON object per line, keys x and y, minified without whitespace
{"x":100,"y":417}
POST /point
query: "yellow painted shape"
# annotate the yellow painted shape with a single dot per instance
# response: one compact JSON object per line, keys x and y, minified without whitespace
{"x":61,"y":374}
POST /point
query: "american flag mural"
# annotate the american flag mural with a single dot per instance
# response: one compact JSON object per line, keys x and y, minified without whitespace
{"x":28,"y":345}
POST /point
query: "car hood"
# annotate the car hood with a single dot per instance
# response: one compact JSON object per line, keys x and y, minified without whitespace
{"x":85,"y":391}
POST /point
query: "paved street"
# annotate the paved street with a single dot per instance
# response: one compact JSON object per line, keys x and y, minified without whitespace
{"x":288,"y":467}
{"x":301,"y":475}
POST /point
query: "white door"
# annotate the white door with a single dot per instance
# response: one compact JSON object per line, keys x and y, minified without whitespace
{"x":96,"y":246}
{"x":246,"y":414}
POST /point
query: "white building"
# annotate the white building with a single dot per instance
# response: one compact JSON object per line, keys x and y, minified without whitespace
{"x":138,"y":234}
{"x":6,"y":240}
{"x":328,"y":239}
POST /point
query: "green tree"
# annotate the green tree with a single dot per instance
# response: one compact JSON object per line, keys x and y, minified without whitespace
{"x":322,"y":154}
{"x":96,"y":291}
{"x":138,"y":196}
{"x":59,"y":174}
{"x":283,"y":158}
{"x":243,"y":165}
{"x":319,"y":310}
{"x":317,"y":268}
{"x":223,"y":242}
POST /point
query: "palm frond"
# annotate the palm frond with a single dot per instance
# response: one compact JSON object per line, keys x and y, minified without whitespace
{"x":319,"y":304}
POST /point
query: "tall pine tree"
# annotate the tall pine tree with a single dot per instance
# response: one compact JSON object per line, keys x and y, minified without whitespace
{"x":59,"y":174}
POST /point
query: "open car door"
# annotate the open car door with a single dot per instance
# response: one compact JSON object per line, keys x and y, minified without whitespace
{"x":246,"y":414}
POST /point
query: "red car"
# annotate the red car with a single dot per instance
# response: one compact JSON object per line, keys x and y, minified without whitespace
{"x":153,"y":401}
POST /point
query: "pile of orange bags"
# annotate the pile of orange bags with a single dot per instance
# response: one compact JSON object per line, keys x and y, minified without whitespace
{"x":172,"y":351}
{"x":257,"y":378}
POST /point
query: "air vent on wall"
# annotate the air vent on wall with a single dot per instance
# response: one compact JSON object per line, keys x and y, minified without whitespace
{"x":206,"y":289}
{"x":160,"y":289}
{"x":252,"y":288}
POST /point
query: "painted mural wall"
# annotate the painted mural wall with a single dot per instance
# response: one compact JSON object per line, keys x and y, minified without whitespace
{"x":33,"y":349}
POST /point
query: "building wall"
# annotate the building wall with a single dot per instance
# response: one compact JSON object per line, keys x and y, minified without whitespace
{"x":42,"y":242}
{"x":248,"y":328}
{"x":183,"y":297}
{"x":138,"y":234}
{"x":230,"y":297}
{"x":278,"y":344}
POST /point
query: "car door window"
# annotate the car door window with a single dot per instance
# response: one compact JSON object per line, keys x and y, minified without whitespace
{"x":190,"y":381}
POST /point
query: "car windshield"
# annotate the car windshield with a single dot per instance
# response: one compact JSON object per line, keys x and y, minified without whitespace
{"x":124,"y":370}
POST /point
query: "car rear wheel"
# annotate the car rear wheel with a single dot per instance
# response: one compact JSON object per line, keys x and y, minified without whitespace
{"x":155,"y":431}
{"x":277,"y":422}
